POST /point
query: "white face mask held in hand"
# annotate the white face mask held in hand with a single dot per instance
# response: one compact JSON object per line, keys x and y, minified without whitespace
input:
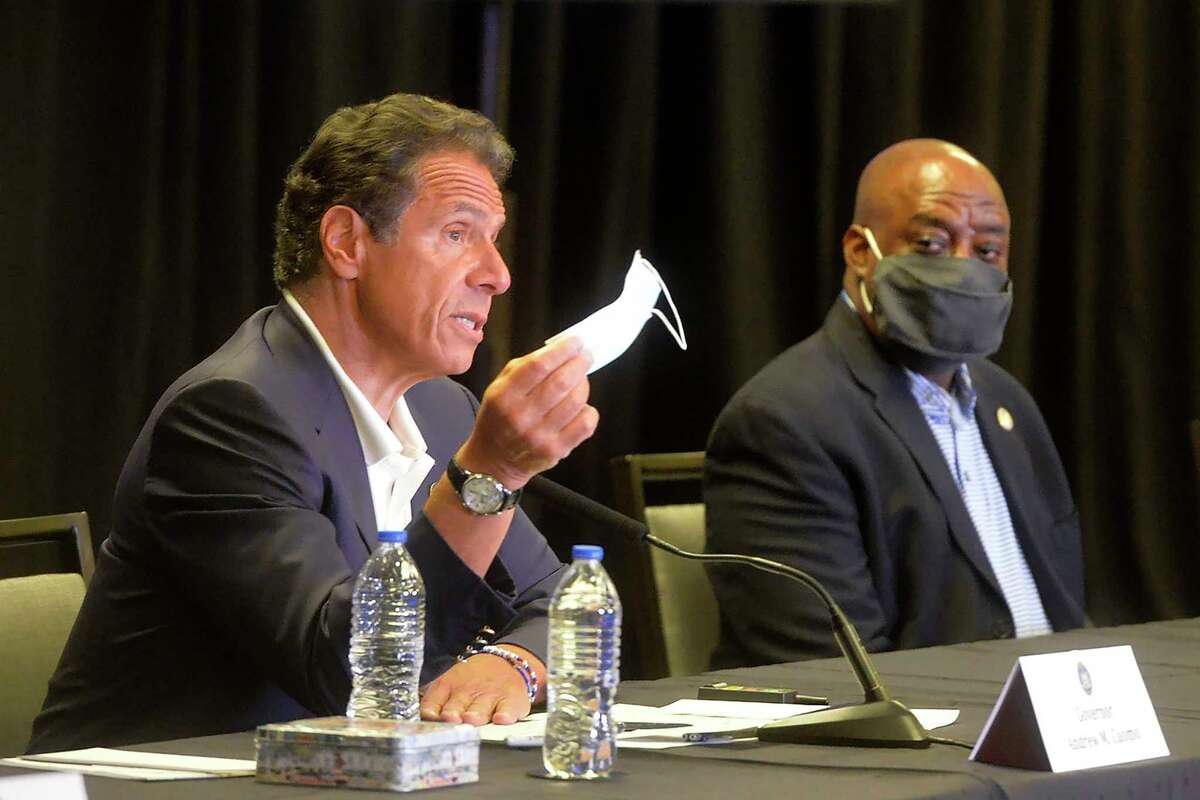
{"x":607,"y":333}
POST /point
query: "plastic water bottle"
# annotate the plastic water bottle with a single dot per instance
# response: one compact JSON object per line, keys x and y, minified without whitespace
{"x":585,"y":652}
{"x":387,"y":633}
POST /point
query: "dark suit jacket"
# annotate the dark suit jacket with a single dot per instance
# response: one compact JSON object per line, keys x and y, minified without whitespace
{"x":825,"y":462}
{"x":221,"y":598}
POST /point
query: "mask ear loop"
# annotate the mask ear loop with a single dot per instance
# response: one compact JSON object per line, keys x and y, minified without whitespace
{"x":862,"y":286}
{"x":680,"y":337}
{"x":870,"y":237}
{"x":862,"y":292}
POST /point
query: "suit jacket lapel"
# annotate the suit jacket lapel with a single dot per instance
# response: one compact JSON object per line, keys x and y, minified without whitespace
{"x":342,"y":455}
{"x":1013,"y":468}
{"x":323,"y":414}
{"x":895,"y":404}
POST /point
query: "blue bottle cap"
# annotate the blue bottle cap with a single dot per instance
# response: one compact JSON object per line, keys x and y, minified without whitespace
{"x":591,"y":552}
{"x":395,"y":537}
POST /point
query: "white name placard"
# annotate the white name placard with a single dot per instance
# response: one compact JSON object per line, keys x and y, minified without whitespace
{"x":1073,"y":710}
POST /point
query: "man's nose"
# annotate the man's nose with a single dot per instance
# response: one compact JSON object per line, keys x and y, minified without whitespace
{"x":964,"y":248}
{"x":491,"y":274}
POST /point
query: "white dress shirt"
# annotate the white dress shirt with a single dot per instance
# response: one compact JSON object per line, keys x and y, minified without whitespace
{"x":393,"y":449}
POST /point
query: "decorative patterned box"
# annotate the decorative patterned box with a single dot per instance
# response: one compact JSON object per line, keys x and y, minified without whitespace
{"x":368,"y":753}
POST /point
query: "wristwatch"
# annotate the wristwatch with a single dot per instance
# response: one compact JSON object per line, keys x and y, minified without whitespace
{"x":480,"y":493}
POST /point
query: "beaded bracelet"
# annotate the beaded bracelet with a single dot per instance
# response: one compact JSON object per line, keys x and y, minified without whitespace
{"x":522,"y":666}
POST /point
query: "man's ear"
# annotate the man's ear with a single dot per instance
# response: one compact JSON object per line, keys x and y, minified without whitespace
{"x":341,"y":233}
{"x":856,"y":252}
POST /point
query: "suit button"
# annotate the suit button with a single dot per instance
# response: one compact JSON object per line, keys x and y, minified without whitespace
{"x":1002,"y":629}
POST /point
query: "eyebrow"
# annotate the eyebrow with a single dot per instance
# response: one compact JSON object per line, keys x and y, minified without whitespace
{"x":470,"y":208}
{"x":996,"y":229}
{"x":479,"y":214}
{"x":935,"y":222}
{"x":930,"y":220}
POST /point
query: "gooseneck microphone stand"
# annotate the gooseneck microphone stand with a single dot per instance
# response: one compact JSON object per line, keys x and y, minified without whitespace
{"x":879,"y":721}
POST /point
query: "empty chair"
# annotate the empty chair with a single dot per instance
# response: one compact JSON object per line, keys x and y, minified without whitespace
{"x":36,"y":614}
{"x":38,"y":545}
{"x":44,"y":563}
{"x":676,"y":626}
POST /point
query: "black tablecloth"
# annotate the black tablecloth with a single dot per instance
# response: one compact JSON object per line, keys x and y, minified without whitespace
{"x":967,"y":677}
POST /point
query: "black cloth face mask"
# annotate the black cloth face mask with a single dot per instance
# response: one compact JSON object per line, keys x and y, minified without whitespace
{"x":947,"y":310}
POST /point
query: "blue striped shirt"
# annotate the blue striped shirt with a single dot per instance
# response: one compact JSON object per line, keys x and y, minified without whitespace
{"x":951,"y":418}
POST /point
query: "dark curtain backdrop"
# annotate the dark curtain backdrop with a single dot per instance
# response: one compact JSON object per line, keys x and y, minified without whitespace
{"x":144,"y":144}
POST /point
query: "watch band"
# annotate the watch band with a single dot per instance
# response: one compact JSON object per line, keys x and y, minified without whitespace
{"x":505,"y":498}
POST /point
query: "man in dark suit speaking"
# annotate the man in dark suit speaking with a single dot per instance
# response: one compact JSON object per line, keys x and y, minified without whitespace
{"x":884,"y":455}
{"x":256,"y":489}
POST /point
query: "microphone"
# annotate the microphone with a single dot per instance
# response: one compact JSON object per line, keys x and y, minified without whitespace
{"x":585,"y":508}
{"x":879,"y":721}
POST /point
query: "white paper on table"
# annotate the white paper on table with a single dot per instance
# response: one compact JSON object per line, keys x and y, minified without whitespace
{"x":533,"y":725}
{"x":738,"y":709}
{"x":932,"y":718}
{"x":704,"y":716}
{"x":39,"y":787}
{"x":639,"y":739}
{"x":137,"y":765}
{"x":751,"y":712}
{"x":661,"y":738}
{"x":125,"y":773}
{"x":629,"y":712}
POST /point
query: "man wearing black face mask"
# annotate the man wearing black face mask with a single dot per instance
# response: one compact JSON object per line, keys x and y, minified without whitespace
{"x":885,"y":455}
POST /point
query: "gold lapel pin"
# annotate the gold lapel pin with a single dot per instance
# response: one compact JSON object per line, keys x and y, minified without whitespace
{"x":1004,"y":418}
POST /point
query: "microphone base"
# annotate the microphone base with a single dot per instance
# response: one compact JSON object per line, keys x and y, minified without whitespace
{"x":882,"y":723}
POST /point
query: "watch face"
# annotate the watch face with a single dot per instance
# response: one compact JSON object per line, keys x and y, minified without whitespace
{"x":482,"y":494}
